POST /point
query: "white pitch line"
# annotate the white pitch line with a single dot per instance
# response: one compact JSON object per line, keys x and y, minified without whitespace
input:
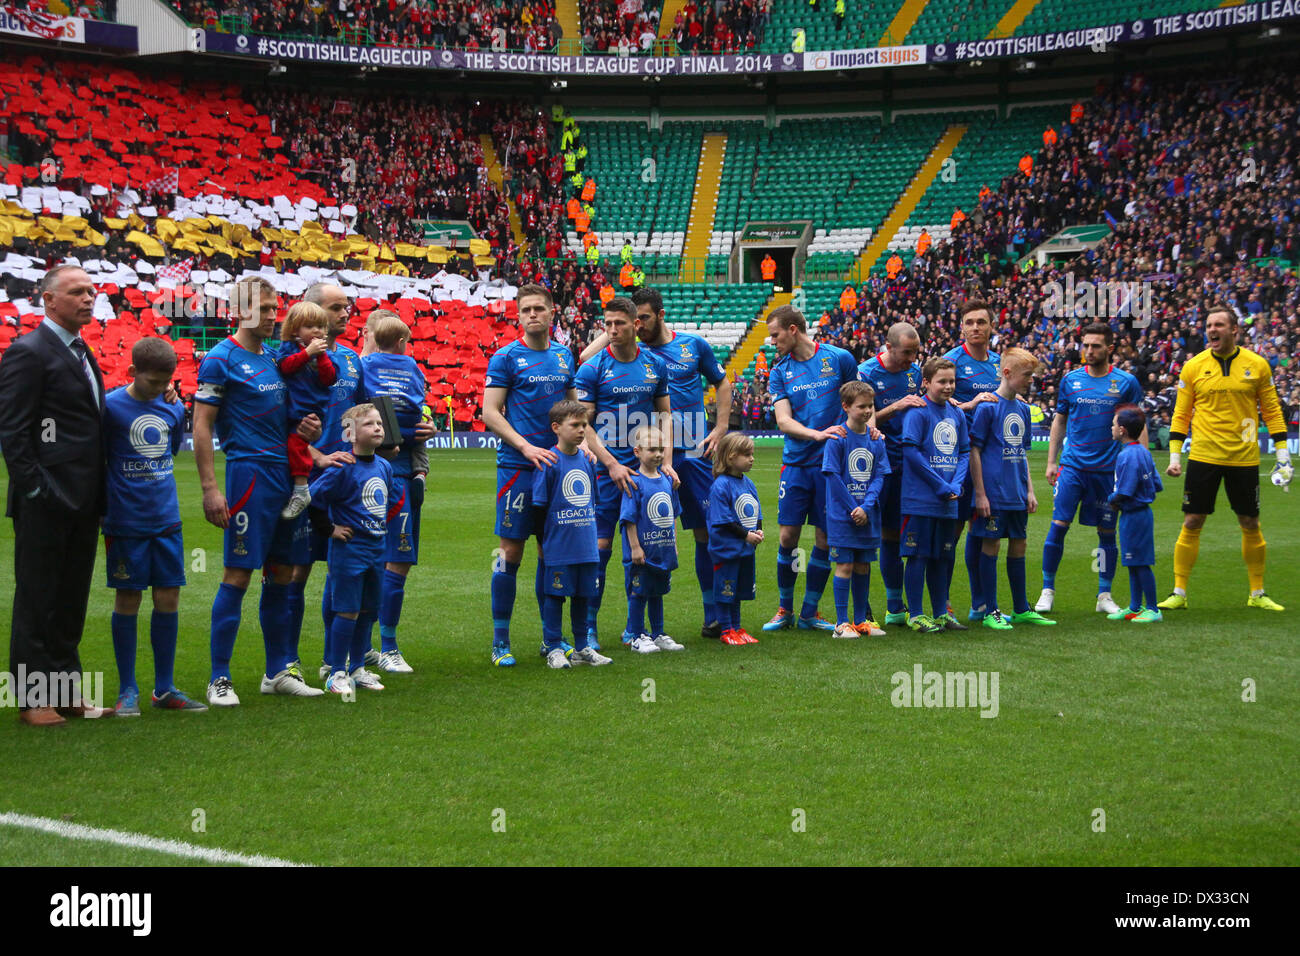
{"x":138,"y":841}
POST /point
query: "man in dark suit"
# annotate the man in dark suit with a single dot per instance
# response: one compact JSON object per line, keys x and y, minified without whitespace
{"x":51,"y":433}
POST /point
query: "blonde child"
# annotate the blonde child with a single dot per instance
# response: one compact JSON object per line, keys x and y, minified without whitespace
{"x":735,"y":530}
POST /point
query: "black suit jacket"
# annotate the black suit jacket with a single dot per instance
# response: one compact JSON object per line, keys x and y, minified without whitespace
{"x":51,"y":428}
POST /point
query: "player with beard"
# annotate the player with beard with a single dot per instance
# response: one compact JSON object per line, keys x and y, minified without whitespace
{"x":978,"y":376}
{"x":1085,"y":407}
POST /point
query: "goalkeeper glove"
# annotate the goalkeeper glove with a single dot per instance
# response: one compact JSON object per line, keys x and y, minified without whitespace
{"x":1282,"y":471}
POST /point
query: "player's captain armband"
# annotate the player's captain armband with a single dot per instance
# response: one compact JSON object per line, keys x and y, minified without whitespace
{"x":209,"y":392}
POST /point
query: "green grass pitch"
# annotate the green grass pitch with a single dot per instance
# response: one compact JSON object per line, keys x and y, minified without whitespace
{"x":788,"y":752}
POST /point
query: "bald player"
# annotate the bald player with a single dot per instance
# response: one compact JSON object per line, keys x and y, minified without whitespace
{"x":895,"y":375}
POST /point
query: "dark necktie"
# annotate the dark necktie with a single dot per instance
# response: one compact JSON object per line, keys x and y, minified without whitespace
{"x":79,"y":349}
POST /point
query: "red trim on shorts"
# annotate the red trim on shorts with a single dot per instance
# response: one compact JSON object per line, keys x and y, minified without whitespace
{"x":506,"y":486}
{"x":239,"y":505}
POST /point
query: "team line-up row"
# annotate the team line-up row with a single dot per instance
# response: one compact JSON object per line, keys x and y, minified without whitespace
{"x":888,"y":461}
{"x":877,"y":457}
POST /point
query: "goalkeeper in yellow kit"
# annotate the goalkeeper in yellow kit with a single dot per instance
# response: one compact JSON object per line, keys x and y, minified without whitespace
{"x":1222,"y":395}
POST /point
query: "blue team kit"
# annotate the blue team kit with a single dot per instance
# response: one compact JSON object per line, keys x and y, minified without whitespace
{"x":564,"y":493}
{"x":1000,"y":430}
{"x":889,"y":388}
{"x":974,"y":377}
{"x":252,"y":423}
{"x":687,"y":358}
{"x":399,"y":378}
{"x":812,"y":387}
{"x":1137,"y":482}
{"x":936,"y":457}
{"x":142,"y":526}
{"x":534,"y":380}
{"x":624,"y":395}
{"x":651,"y":514}
{"x":1088,"y":462}
{"x":360,"y":497}
{"x":855,"y":467}
{"x":733,"y":500}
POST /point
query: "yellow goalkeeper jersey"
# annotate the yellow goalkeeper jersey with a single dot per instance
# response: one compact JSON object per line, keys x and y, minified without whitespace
{"x":1220,"y":403}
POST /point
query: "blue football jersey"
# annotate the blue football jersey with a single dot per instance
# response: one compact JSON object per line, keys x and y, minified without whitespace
{"x":853,"y":465}
{"x":343,"y":395}
{"x":534,"y":380}
{"x":360,"y":497}
{"x":624,"y":394}
{"x":939,"y":434}
{"x":688,"y":357}
{"x":733,"y":499}
{"x":252,"y":402}
{"x":813,"y":389}
{"x":653,"y":509}
{"x":1137,"y":480}
{"x":400,"y":378}
{"x":974,"y":376}
{"x":1088,"y":403}
{"x":141,"y":438}
{"x":1001,"y":432}
{"x":565,"y":492}
{"x":890,"y":387}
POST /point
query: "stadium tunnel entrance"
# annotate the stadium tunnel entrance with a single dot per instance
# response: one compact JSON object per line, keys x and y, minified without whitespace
{"x":751,"y":264}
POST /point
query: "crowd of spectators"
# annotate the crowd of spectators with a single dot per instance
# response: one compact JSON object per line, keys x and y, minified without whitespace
{"x":624,"y":27}
{"x":449,"y":24}
{"x":726,"y":26}
{"x":85,"y":9}
{"x":402,"y":159}
{"x":1195,"y":174}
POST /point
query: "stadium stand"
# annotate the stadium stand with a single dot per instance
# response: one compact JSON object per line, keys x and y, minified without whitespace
{"x":1159,"y":160}
{"x":448,"y":24}
{"x":944,"y":20}
{"x":647,"y":203}
{"x":620,"y":26}
{"x":1163,"y":160}
{"x":633,"y":26}
{"x":409,"y":159}
{"x":1048,"y":15}
{"x":730,"y":26}
{"x":865,"y":23}
{"x":844,"y":174}
{"x":990,"y":147}
{"x":84,"y":9}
